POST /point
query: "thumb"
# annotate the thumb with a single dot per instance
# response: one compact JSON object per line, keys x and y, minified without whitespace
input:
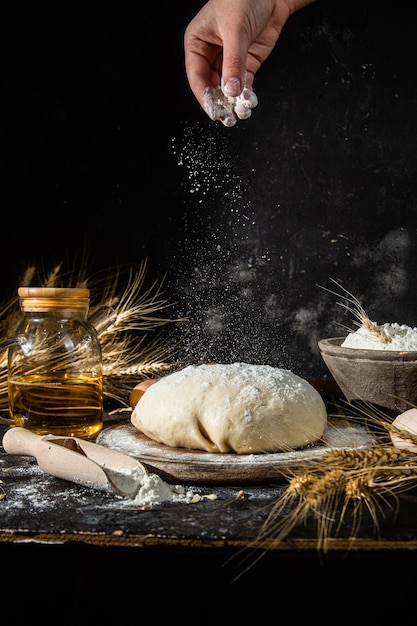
{"x":234,"y":73}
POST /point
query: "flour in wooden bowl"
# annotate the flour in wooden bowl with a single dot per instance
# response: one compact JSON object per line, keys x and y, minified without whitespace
{"x":390,"y":336}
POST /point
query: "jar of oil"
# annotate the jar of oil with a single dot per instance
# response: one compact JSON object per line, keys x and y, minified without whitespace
{"x":55,"y":377}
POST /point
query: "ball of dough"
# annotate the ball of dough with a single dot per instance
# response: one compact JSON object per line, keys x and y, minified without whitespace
{"x":236,"y":407}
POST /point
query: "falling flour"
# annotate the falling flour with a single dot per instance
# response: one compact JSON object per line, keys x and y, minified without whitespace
{"x":397,"y":337}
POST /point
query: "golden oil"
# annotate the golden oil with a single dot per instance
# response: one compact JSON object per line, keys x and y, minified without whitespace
{"x":65,"y":404}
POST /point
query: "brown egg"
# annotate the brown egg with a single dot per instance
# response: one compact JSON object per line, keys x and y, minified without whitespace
{"x":138,"y":391}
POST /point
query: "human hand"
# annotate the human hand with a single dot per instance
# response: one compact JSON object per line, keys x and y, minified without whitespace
{"x":225,"y":44}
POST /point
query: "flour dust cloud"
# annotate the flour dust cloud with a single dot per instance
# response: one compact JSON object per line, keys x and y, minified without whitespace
{"x":220,"y":274}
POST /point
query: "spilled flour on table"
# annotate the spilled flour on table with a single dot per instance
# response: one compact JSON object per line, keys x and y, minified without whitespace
{"x":154,"y":490}
{"x":25,"y":486}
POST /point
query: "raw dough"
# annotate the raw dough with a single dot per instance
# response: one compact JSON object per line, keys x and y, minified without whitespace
{"x":237,"y":407}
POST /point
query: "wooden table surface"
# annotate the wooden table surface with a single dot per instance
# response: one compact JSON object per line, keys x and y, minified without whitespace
{"x":44,"y":508}
{"x":46,"y":518}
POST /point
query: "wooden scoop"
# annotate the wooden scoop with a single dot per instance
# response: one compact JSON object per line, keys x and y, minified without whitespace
{"x":78,"y":461}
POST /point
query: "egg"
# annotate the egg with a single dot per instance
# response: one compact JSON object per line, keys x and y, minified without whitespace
{"x":138,"y":391}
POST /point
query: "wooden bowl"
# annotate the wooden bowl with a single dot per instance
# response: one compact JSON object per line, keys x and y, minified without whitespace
{"x":385,"y":378}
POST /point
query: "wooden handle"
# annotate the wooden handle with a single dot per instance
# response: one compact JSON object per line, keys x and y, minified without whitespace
{"x":19,"y":440}
{"x":56,"y":460}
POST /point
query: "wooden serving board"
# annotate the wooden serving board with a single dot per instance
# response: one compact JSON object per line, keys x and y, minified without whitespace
{"x":182,"y":465}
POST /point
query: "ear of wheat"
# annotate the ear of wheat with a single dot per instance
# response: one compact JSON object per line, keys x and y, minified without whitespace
{"x":361,"y":319}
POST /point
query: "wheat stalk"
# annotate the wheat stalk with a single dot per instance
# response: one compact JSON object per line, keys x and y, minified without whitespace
{"x":361,"y":319}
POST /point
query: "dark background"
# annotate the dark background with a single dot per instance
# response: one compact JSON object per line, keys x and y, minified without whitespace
{"x":106,"y":156}
{"x":108,"y":159}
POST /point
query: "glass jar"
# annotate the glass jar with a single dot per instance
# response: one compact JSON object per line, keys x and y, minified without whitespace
{"x":55,"y":374}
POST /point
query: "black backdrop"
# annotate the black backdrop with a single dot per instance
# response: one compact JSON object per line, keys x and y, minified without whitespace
{"x":107,"y":156}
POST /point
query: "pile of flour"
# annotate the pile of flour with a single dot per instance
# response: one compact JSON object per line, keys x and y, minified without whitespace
{"x":398,"y":337}
{"x":154,"y":490}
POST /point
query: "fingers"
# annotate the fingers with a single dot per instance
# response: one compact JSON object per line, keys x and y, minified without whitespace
{"x":232,"y":87}
{"x":245,"y":103}
{"x":233,"y":71}
{"x":220,"y":107}
{"x":222,"y":55}
{"x":216,"y":50}
{"x":225,"y":45}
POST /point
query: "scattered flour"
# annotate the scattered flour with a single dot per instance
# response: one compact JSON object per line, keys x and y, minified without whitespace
{"x":226,"y":109}
{"x":402,"y":338}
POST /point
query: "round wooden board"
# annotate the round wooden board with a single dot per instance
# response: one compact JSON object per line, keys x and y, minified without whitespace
{"x":182,"y":465}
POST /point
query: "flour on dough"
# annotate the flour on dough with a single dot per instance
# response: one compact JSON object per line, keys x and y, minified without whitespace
{"x":237,"y":407}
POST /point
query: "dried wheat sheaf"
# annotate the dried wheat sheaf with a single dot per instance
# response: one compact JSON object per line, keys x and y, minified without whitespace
{"x":334,"y":492}
{"x":131,"y":348}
